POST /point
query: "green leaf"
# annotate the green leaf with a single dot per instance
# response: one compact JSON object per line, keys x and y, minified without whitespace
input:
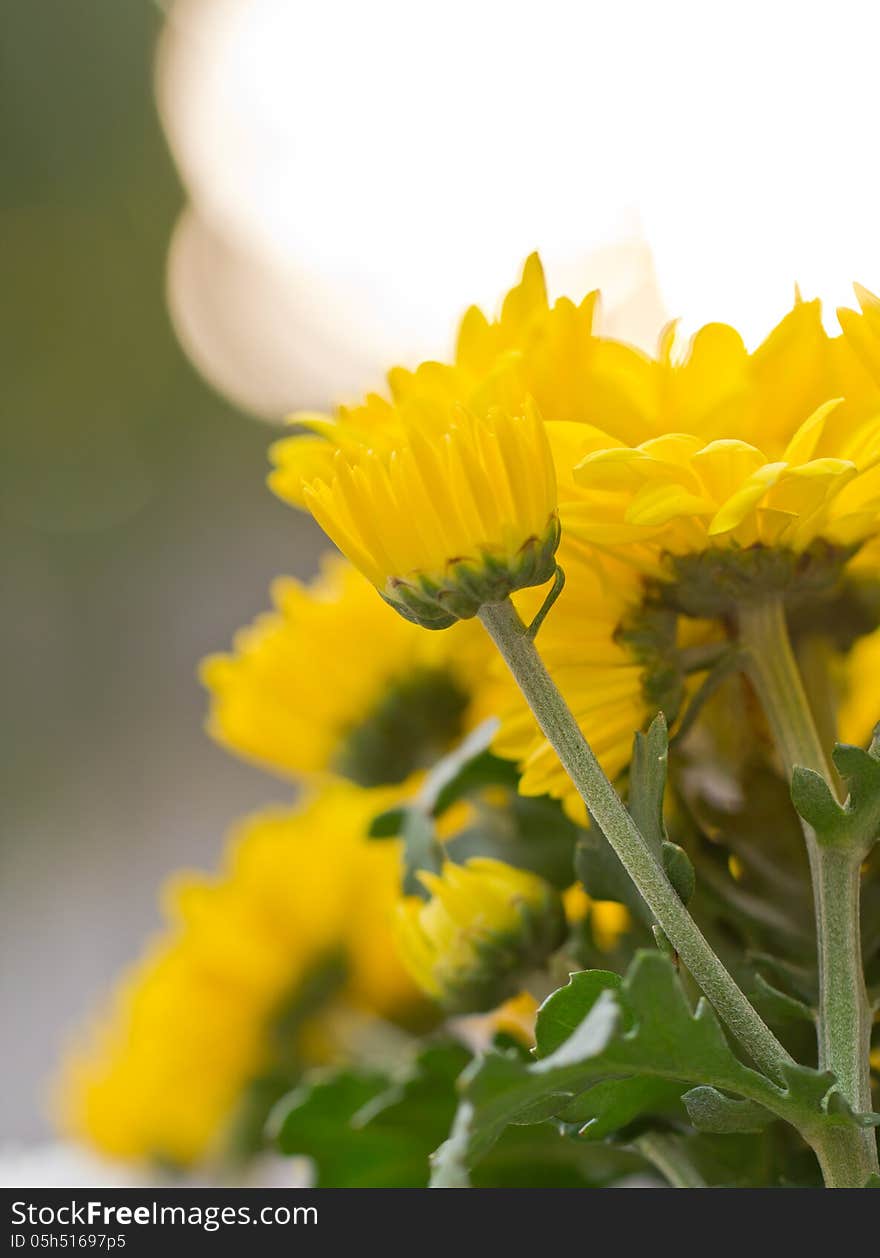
{"x":647,"y":786}
{"x":856,"y":824}
{"x":779,"y":1005}
{"x":530,"y":833}
{"x":421,"y":850}
{"x":647,"y":783}
{"x":364,"y":1130}
{"x":564,"y":1011}
{"x":597,"y":866}
{"x":643,"y":1029}
{"x":485,"y":769}
{"x":610,"y":1106}
{"x":774,"y":1158}
{"x":367,"y":1130}
{"x":679,"y":870}
{"x":710,"y":1110}
{"x":814,"y":800}
{"x":388,"y":824}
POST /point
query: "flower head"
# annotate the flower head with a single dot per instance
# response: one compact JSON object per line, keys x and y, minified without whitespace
{"x":333,"y":681}
{"x":485,"y":924}
{"x":246,"y":979}
{"x":532,"y":350}
{"x":449,"y":515}
{"x":758,"y":472}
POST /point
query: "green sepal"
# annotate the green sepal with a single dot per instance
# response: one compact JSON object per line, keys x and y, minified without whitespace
{"x":436,"y":601}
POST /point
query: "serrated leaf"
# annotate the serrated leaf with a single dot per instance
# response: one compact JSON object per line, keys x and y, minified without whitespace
{"x":612,"y":1105}
{"x":597,"y":866}
{"x":643,"y":1029}
{"x":563,"y":1012}
{"x":710,"y":1110}
{"x":856,"y":824}
{"x":814,"y":800}
{"x":370,"y":1131}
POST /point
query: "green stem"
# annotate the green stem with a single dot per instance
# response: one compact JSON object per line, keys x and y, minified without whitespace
{"x":664,"y":1154}
{"x":844,"y":1014}
{"x":563,"y":732}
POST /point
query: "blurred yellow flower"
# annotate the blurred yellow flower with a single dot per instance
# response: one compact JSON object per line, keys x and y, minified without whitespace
{"x":859,"y":709}
{"x":300,"y":912}
{"x":333,"y":681}
{"x":485,"y":925}
{"x":609,"y":920}
{"x":452,"y":515}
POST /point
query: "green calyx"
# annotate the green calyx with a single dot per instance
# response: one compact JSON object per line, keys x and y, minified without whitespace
{"x":718,"y":582}
{"x":714,"y":585}
{"x":415,"y":722}
{"x":470,"y":582}
{"x":650,"y":635}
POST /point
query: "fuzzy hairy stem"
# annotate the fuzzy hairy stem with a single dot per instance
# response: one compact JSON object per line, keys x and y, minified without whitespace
{"x":604,"y":804}
{"x":844,"y":1014}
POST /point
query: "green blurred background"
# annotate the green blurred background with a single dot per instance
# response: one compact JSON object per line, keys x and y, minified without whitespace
{"x":137,"y":532}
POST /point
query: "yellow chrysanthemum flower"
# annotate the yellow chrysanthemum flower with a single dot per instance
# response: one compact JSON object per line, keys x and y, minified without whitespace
{"x":743,"y":453}
{"x":484,"y":926}
{"x":302,"y":912}
{"x":533,"y":350}
{"x":862,"y":331}
{"x":680,"y":493}
{"x":334,"y":681}
{"x":714,"y":388}
{"x":452,"y":515}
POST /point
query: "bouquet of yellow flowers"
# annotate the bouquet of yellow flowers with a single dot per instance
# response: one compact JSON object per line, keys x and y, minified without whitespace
{"x":581,"y":880}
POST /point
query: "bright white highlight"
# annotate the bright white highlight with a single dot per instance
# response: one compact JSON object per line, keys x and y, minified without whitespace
{"x":359,"y":171}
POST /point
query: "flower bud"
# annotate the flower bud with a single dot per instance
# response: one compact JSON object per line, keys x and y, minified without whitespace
{"x":485,"y":925}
